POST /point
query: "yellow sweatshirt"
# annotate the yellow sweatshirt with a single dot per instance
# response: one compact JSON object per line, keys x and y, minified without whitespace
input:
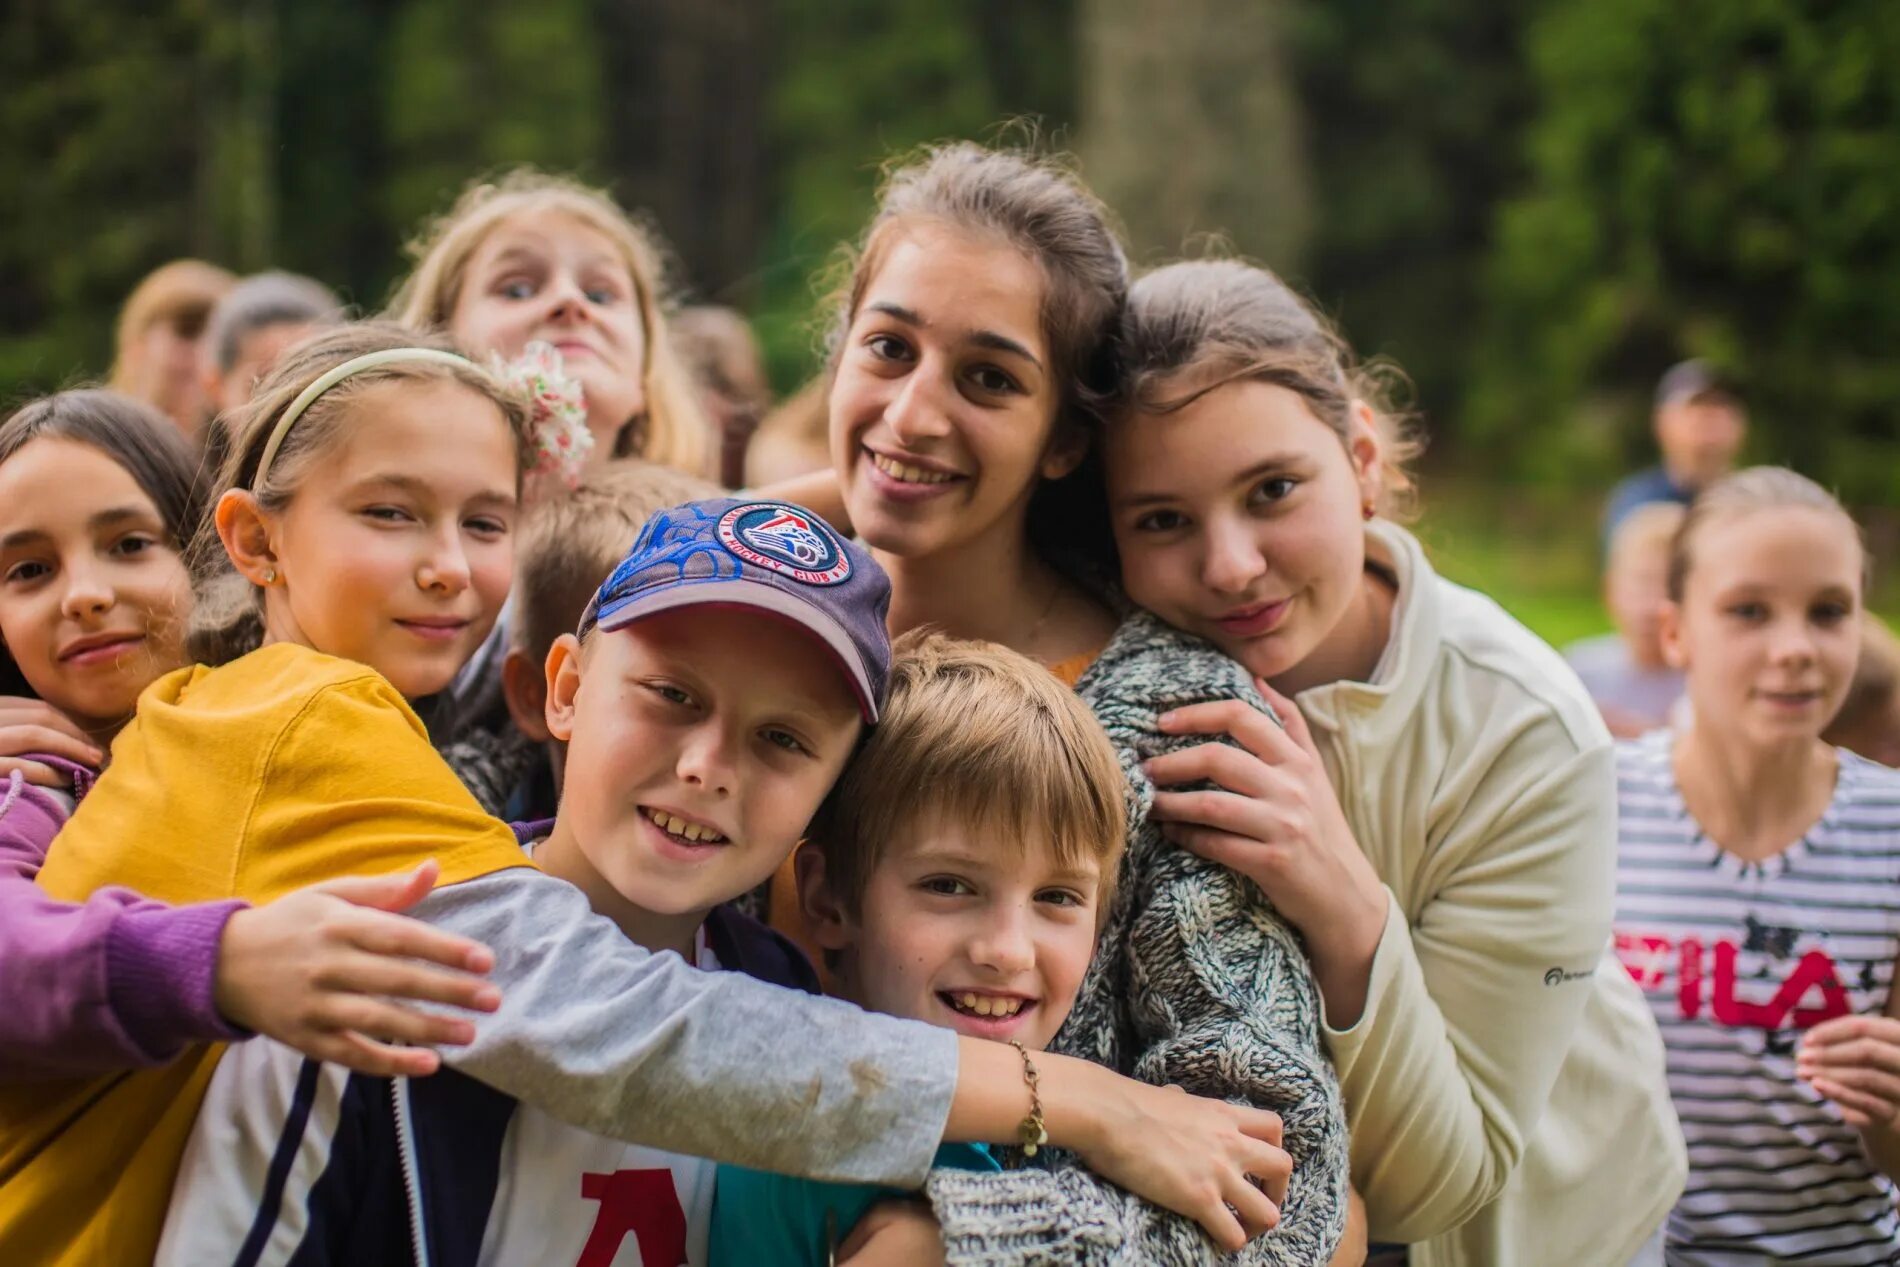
{"x":1504,"y":1085}
{"x":279,"y":770}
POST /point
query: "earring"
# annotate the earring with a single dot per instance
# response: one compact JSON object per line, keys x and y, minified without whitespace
{"x":1368,"y":510}
{"x":270,"y":576}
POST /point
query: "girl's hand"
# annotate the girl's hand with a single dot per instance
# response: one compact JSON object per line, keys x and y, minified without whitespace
{"x":319,"y":970}
{"x":1855,"y":1062}
{"x":898,"y":1232}
{"x":1219,"y":1164}
{"x":1274,"y":818}
{"x":30,"y":726}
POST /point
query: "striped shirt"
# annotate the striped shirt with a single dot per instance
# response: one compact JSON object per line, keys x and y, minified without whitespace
{"x":1737,"y":959}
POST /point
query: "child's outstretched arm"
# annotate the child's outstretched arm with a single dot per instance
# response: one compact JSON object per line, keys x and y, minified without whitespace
{"x":120,"y":981}
{"x":608,"y":1037}
{"x":116,"y":982}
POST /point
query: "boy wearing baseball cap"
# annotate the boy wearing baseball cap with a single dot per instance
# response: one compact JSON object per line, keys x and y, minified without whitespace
{"x":719,"y":682}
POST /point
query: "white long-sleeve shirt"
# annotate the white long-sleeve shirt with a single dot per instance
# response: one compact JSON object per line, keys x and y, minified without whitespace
{"x":1504,"y":1085}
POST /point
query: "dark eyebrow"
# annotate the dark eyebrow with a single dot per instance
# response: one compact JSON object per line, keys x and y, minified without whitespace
{"x":981,"y":338}
{"x":118,"y":514}
{"x":419,"y":489}
{"x":102,"y":519}
{"x":1259,"y":470}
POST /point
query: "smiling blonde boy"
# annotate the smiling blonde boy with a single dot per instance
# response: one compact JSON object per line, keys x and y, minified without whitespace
{"x":958,"y":875}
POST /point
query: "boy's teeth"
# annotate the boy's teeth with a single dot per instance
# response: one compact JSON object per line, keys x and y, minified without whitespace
{"x":983,"y":1005}
{"x":680,"y":827}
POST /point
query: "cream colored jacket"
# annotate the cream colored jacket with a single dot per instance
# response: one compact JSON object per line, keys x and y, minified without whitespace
{"x":1504,"y":1086}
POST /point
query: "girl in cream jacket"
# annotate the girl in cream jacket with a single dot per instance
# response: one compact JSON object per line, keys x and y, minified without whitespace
{"x":1437,"y":819}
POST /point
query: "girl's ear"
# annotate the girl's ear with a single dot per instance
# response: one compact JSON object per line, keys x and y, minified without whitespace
{"x":563,"y":677}
{"x":247,"y":529}
{"x":1068,"y":445}
{"x":1675,"y":650}
{"x":1367,"y":452}
{"x":824,"y":914}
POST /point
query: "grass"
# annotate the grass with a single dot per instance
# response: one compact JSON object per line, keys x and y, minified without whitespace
{"x":1535,"y":551}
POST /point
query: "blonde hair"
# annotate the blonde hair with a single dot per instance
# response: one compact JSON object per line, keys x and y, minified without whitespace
{"x":1197,"y":325}
{"x":1745,"y":492}
{"x":982,"y":735}
{"x":1648,"y":529}
{"x":228,"y":619}
{"x":182,"y":293}
{"x":570,"y":543}
{"x":675,"y":430}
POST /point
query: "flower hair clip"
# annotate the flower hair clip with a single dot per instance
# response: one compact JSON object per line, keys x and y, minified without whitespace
{"x":557,"y":411}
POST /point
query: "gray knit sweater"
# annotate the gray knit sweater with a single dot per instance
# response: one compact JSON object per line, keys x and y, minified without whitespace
{"x":1197,"y":982}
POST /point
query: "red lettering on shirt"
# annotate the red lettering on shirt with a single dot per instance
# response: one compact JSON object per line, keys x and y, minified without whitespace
{"x":1646,"y":957}
{"x":643,"y":1202}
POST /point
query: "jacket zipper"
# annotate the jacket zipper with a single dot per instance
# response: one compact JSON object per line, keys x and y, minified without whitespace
{"x":411,"y":1175}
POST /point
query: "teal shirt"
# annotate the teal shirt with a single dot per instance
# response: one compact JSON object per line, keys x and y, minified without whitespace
{"x":761,"y":1219}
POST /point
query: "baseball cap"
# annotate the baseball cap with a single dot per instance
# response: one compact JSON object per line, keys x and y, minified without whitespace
{"x":772,"y":556}
{"x":1688,"y":379}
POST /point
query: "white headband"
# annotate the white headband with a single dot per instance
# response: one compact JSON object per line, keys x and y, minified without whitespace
{"x":330,"y":379}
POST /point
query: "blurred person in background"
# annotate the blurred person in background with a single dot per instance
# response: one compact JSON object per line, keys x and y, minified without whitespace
{"x":160,"y":327}
{"x":251,"y":327}
{"x":1869,"y":720}
{"x":792,"y":440}
{"x":254,"y":324}
{"x":1624,"y":671}
{"x":1700,"y":426}
{"x":723,"y":357}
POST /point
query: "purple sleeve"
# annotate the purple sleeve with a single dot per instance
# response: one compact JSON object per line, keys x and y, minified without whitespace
{"x":117,"y":981}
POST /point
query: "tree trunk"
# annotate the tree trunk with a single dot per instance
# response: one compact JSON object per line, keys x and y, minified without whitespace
{"x":1189,"y":124}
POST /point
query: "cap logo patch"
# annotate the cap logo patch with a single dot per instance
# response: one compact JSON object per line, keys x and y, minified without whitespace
{"x":775,"y":536}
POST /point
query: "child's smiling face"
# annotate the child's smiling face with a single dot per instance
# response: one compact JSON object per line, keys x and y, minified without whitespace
{"x":700,"y":742}
{"x":93,"y":592}
{"x":396,"y":550}
{"x":1239,"y":518}
{"x":961,"y":930}
{"x":1768,"y":629}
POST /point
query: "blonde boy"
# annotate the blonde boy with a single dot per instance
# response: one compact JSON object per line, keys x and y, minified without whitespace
{"x":958,"y":874}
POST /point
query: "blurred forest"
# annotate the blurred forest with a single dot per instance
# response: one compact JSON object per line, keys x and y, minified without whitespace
{"x":1532,"y":207}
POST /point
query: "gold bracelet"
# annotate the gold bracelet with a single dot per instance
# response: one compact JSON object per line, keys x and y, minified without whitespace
{"x":1031,"y":1132}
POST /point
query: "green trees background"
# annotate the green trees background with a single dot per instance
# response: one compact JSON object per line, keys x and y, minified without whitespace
{"x":1533,"y":207}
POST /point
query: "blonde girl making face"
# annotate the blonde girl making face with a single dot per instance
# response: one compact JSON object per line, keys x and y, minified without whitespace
{"x":533,"y":257}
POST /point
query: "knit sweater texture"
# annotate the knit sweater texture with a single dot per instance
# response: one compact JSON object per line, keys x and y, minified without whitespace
{"x":1198,"y":982}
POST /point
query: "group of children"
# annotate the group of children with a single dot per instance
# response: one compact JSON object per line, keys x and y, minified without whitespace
{"x":432,"y":836}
